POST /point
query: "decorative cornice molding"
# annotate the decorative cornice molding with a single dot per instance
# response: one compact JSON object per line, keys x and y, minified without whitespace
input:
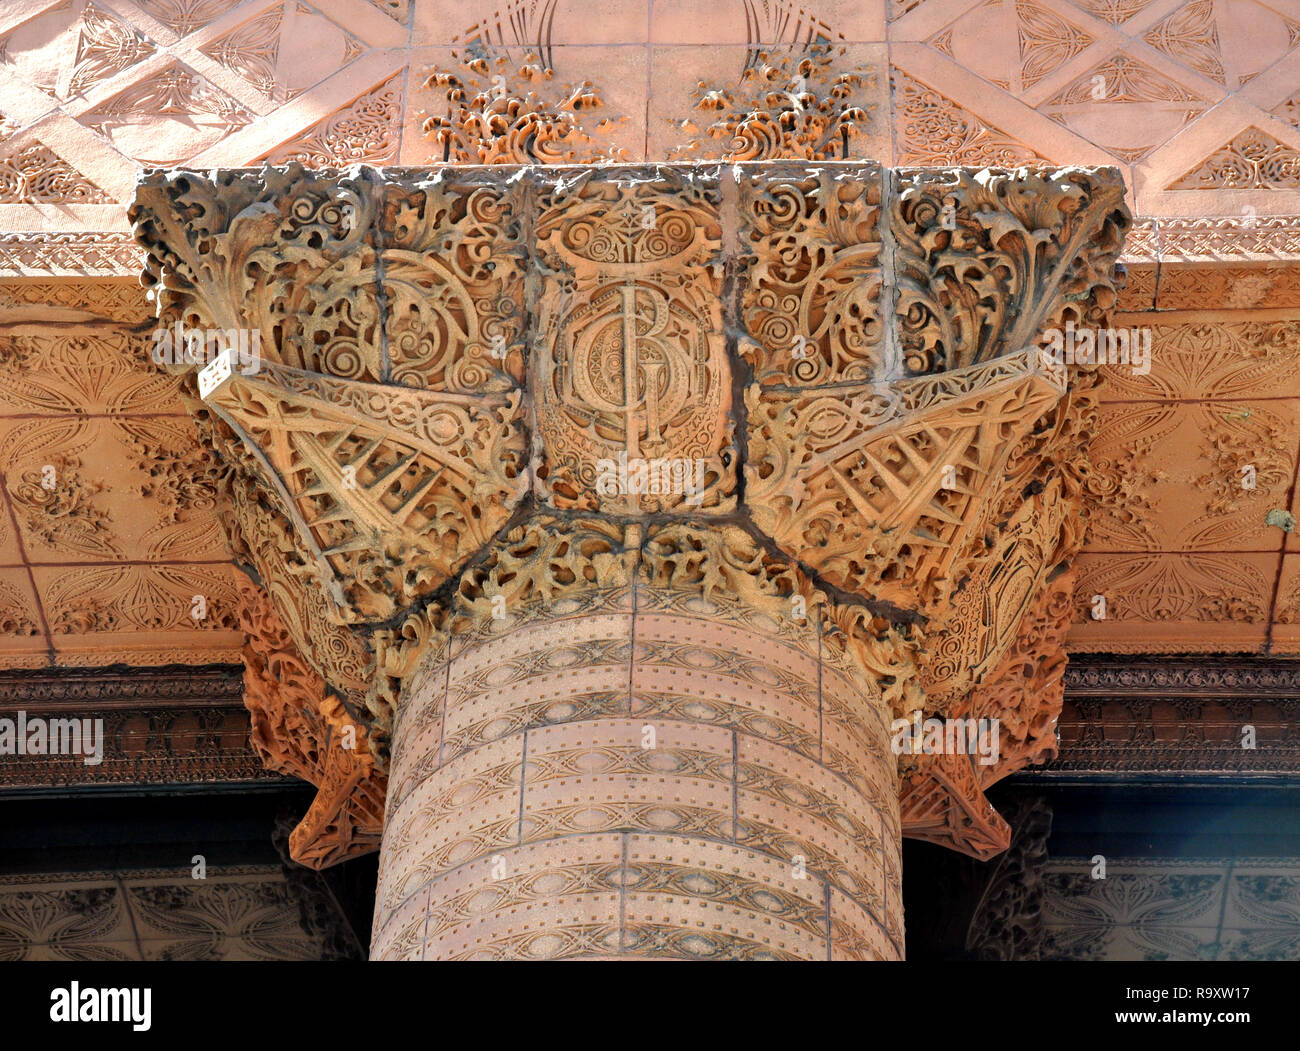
{"x":1214,"y":239}
{"x":1179,"y":716}
{"x":81,"y":253}
{"x":162,"y":726}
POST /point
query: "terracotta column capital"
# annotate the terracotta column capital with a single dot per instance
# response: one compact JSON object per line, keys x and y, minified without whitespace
{"x":814,"y":389}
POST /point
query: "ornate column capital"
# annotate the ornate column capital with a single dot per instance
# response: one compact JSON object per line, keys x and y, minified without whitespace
{"x":473,"y":374}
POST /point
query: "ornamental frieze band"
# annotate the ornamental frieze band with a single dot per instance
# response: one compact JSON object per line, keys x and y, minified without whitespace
{"x":614,"y":516}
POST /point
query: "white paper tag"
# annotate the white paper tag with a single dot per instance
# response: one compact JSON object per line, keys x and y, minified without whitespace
{"x":215,"y":373}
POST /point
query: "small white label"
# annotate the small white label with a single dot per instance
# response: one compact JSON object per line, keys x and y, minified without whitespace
{"x":215,"y":373}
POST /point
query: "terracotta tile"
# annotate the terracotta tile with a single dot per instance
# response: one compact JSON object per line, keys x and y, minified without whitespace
{"x":1200,"y":286}
{"x":676,"y":120}
{"x":856,"y":934}
{"x":732,"y":22}
{"x":104,"y":490}
{"x":78,"y":371}
{"x":140,"y":614}
{"x":23,"y":639}
{"x":521,"y":895}
{"x":1285,"y":631}
{"x":1205,"y":602}
{"x":1176,"y":476}
{"x":400,"y":935}
{"x":525,"y":26}
{"x":787,"y":832}
{"x":1197,"y":354}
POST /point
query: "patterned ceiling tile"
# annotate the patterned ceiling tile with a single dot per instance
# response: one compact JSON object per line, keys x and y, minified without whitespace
{"x":398,"y":10}
{"x":1116,"y":12}
{"x":1191,"y":476}
{"x":1011,"y":43}
{"x":111,"y":489}
{"x":1194,"y":603}
{"x":1289,"y":110}
{"x":538,"y":25}
{"x":185,"y":16}
{"x":932,"y":129}
{"x":1139,"y":291}
{"x":1228,"y":41}
{"x":1215,"y":355}
{"x":246,"y":912}
{"x":55,"y":302}
{"x":71,"y":922}
{"x":366,"y":131}
{"x":141,"y":614}
{"x":32,"y":173}
{"x":71,"y":47}
{"x":58,"y":370}
{"x":1253,"y":160}
{"x":168,"y":117}
{"x":899,"y":8}
{"x":1125,"y":106}
{"x":1142,"y":910}
{"x":1191,"y":286}
{"x":285,"y":50}
{"x":219,"y":919}
{"x":775,"y":23}
{"x":1285,"y":630}
{"x":21,"y":630}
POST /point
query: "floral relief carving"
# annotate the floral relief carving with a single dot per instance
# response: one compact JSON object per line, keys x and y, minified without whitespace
{"x":34,"y":174}
{"x":1253,"y":160}
{"x":934,"y":130}
{"x":500,"y":112}
{"x":787,"y":106}
{"x":454,"y":354}
{"x":361,"y":133}
{"x":58,"y":507}
{"x":16,"y":613}
{"x":812,"y":293}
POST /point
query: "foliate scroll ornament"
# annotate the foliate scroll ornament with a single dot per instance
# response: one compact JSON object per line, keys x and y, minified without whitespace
{"x":987,"y":260}
{"x":784,"y":107}
{"x":630,"y":374}
{"x":499,"y":113}
{"x":812,"y":289}
{"x":374,"y":417}
{"x":299,"y":729}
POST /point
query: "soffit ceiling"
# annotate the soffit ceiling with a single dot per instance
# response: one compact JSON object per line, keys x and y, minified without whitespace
{"x":1199,"y":106}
